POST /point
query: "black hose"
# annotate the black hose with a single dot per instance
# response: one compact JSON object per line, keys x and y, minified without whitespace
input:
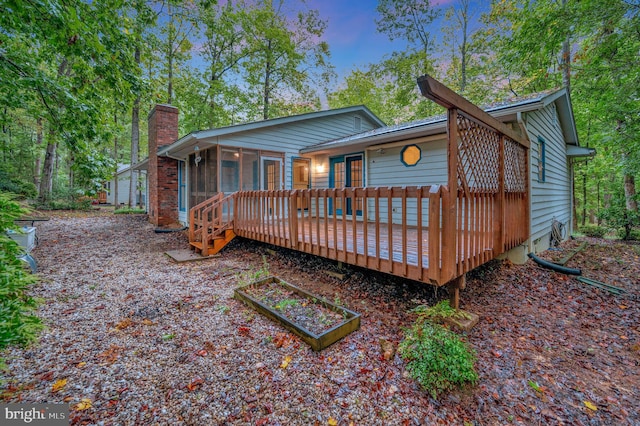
{"x":555,"y":267}
{"x":166,"y":231}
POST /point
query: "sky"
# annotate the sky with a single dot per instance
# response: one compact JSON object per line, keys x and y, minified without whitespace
{"x":352,"y":36}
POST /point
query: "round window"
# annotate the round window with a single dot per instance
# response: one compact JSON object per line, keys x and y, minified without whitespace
{"x":410,"y":155}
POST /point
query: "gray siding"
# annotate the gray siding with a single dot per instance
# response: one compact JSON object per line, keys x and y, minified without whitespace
{"x":386,"y":169}
{"x":552,"y":198}
{"x":383,"y":169}
{"x":292,"y":137}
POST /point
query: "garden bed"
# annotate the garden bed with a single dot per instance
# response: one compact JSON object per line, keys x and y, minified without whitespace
{"x":318,"y":322}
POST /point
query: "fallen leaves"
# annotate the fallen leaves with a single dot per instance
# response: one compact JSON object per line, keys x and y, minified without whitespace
{"x":58,"y":385}
{"x":194,"y":384}
{"x":125,"y":323}
{"x":110,"y":355}
{"x":84,"y":404}
{"x":591,"y":406}
{"x":286,"y":361}
{"x":282,"y":340}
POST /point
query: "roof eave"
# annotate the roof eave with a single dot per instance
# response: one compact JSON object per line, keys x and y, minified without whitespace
{"x":411,"y":133}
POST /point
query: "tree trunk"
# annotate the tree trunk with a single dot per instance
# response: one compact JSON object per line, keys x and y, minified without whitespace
{"x":464,"y":23}
{"x":71,"y":176}
{"x":267,"y":89}
{"x":566,"y":60}
{"x":135,"y":141}
{"x":46,"y":183}
{"x":630,"y":192}
{"x":170,"y":39}
{"x":115,"y":157}
{"x":38,"y":165}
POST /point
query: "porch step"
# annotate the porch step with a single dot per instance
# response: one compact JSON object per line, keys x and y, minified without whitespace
{"x":217,"y":243}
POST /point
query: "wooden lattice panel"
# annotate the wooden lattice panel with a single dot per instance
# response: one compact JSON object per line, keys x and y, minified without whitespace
{"x":515,"y":167}
{"x":478,"y":156}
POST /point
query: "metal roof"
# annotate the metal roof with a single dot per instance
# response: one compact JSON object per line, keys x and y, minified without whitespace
{"x":437,"y":124}
{"x":186,"y":143}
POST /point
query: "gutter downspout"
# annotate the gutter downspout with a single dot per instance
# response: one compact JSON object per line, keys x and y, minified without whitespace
{"x":523,"y":128}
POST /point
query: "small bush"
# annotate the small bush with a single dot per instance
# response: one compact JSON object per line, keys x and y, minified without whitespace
{"x":632,"y":235}
{"x":436,"y":357}
{"x":17,"y":325}
{"x":17,"y":186}
{"x":129,"y":210}
{"x":594,"y":231}
{"x":68,"y":199}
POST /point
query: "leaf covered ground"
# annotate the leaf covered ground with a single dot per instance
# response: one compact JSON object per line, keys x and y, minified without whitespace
{"x":134,"y":338}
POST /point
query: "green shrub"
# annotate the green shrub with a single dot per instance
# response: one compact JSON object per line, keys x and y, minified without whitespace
{"x":17,"y":324}
{"x":67,"y":199}
{"x":17,"y":186}
{"x":436,"y":357}
{"x":594,"y":231}
{"x":631,"y":235}
{"x":617,"y":217}
{"x":129,"y":210}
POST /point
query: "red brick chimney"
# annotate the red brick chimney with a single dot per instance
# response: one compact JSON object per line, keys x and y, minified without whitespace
{"x":163,"y":171}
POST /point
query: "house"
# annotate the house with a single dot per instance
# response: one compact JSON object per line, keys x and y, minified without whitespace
{"x":123,"y":175}
{"x":416,"y":154}
{"x":183,"y":172}
{"x":428,"y":200}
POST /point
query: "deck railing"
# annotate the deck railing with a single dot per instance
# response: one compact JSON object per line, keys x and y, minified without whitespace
{"x":395,"y":230}
{"x":431,"y":234}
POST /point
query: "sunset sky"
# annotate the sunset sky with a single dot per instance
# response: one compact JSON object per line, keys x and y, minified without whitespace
{"x":352,"y":35}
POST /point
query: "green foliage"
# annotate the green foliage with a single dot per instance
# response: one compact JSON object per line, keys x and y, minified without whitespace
{"x":284,"y":304}
{"x":437,"y":358}
{"x":438,"y":312}
{"x":8,"y":183}
{"x":593,"y":231}
{"x":18,"y":326}
{"x":632,"y":235}
{"x":247,"y":277}
{"x":617,"y":217}
{"x":129,"y":210}
{"x":66,"y":199}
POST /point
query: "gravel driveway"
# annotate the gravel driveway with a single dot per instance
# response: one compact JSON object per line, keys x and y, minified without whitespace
{"x":135,"y":338}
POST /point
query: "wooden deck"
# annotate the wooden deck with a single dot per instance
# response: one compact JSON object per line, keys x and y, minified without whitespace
{"x":433,"y":234}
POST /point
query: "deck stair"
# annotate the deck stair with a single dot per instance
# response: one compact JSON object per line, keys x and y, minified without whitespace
{"x":211,"y":225}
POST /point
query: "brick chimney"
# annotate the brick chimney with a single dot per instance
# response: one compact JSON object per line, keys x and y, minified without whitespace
{"x":163,"y":171}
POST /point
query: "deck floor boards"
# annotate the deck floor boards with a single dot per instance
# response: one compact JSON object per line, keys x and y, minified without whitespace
{"x":337,"y":240}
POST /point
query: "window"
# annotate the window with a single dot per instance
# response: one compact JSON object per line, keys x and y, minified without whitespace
{"x":346,"y":172}
{"x":230,"y":170}
{"x":541,"y":159}
{"x":410,"y":155}
{"x":182,"y":186}
{"x":250,"y":175}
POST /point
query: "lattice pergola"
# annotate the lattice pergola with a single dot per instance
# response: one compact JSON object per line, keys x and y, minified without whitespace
{"x":488,"y":179}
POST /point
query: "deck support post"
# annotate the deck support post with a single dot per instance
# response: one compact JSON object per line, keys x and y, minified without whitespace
{"x":454,"y":287}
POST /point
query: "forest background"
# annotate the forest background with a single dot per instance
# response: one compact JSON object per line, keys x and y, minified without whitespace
{"x":76,"y":77}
